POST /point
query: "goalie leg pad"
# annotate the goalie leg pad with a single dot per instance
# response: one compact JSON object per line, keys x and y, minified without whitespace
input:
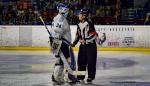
{"x":59,"y":71}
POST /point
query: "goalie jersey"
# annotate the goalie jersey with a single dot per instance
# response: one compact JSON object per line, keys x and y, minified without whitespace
{"x":61,"y":28}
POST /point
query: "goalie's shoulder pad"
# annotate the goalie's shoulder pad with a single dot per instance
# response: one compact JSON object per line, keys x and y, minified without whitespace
{"x":59,"y":18}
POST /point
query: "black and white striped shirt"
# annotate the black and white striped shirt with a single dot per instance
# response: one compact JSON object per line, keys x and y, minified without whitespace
{"x":85,"y":31}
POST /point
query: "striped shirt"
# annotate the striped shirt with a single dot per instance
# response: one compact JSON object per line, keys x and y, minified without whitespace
{"x":85,"y":31}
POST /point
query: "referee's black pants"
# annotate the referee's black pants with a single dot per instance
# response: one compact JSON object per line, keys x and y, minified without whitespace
{"x":87,"y":58}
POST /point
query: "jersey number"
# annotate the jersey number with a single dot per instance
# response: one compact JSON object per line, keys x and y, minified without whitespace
{"x":57,"y":25}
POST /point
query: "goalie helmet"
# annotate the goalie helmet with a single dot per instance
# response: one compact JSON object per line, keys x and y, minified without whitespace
{"x":63,"y":9}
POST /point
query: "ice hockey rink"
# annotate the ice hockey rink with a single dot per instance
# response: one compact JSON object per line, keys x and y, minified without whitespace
{"x":114,"y":68}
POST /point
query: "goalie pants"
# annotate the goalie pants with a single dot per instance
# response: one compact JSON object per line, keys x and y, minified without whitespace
{"x":87,"y":58}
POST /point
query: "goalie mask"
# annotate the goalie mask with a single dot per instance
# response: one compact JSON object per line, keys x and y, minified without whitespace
{"x":63,"y":9}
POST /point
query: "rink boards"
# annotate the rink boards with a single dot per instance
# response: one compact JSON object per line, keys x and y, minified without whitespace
{"x":117,"y":36}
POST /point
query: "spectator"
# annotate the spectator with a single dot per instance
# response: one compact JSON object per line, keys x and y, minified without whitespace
{"x":4,"y":13}
{"x":147,"y":6}
{"x":50,"y":5}
{"x":43,"y":4}
{"x":1,"y":11}
{"x":30,"y":17}
{"x":147,"y":20}
{"x":45,"y":15}
{"x":117,"y":14}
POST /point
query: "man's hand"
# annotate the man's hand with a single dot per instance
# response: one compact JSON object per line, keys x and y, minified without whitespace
{"x":69,"y":60}
{"x":82,"y":41}
{"x":73,"y":45}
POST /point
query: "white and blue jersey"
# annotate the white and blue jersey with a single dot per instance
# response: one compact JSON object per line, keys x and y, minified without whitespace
{"x":61,"y":28}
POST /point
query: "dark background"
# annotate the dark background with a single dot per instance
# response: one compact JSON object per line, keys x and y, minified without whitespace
{"x":102,"y":12}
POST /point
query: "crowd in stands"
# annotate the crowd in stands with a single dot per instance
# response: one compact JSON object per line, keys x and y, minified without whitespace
{"x":110,"y":12}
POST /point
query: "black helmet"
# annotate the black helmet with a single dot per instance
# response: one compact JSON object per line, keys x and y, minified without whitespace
{"x":84,"y":12}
